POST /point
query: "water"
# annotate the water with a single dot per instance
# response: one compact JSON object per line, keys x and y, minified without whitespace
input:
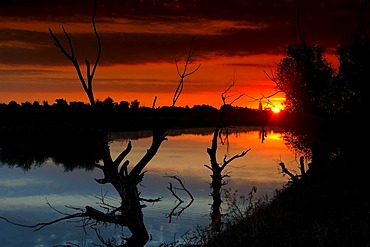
{"x":34,"y":196}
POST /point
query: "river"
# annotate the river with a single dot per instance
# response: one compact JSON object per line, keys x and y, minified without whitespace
{"x":44,"y":192}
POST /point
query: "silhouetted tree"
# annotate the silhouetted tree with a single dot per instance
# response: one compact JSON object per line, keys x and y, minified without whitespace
{"x":116,"y":171}
{"x":307,"y":80}
{"x":61,"y":103}
{"x":109,"y":103}
{"x":217,"y":167}
{"x":134,"y":105}
{"x":124,"y":105}
{"x":322,"y":102}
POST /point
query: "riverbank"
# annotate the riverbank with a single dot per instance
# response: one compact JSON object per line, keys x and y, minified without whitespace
{"x":327,"y":207}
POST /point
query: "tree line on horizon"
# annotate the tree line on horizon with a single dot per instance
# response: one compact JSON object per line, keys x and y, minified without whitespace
{"x":124,"y":115}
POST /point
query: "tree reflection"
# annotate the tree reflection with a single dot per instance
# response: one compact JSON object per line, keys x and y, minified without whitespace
{"x":71,"y":153}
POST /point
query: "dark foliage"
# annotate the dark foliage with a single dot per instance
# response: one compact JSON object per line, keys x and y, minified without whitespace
{"x":329,"y":205}
{"x":35,"y":124}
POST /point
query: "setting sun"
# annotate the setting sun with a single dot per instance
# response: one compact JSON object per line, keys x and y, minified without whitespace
{"x":275,"y":109}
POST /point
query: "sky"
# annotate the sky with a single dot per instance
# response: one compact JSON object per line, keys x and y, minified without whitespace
{"x":233,"y":41}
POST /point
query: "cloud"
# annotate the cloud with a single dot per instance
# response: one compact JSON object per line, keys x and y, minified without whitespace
{"x":20,"y":72}
{"x":134,"y":32}
{"x":142,"y":38}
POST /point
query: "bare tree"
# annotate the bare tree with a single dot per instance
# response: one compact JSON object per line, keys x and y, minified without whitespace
{"x":129,"y":213}
{"x":216,"y":167}
{"x":86,"y":82}
{"x":294,"y":178}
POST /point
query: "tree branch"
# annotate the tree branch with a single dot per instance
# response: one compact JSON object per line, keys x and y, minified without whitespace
{"x":71,"y":56}
{"x":226,"y":162}
{"x":182,"y":76}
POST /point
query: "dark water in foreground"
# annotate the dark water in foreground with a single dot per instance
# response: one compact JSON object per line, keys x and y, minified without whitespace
{"x":24,"y":195}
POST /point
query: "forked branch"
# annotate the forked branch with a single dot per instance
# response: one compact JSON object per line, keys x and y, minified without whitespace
{"x":229,"y":86}
{"x":182,"y":75}
{"x":87,"y":86}
{"x":175,"y":211}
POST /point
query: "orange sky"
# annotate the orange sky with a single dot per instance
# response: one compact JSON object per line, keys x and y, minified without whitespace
{"x":141,"y":40}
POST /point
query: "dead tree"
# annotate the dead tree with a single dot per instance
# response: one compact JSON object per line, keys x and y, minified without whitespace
{"x":216,"y":167}
{"x":116,"y":172}
{"x":86,"y":82}
{"x":294,"y":177}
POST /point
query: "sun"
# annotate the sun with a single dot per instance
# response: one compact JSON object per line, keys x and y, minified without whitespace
{"x":275,"y":109}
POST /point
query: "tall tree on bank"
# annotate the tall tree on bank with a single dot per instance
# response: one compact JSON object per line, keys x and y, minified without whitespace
{"x":115,"y":171}
{"x":323,"y":102}
{"x":307,"y":79}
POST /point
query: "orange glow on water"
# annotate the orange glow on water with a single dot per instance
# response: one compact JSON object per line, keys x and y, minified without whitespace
{"x":186,"y":155}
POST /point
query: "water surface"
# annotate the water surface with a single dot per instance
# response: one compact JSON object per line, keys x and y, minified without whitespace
{"x":24,"y":194}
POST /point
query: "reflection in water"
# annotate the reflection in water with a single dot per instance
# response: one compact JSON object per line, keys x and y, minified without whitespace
{"x":22,"y":194}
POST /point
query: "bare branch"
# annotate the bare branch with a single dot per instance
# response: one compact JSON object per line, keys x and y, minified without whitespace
{"x":98,"y":41}
{"x":172,"y":189}
{"x":123,"y":154}
{"x":39,"y":226}
{"x":150,"y":200}
{"x":174,"y":193}
{"x":158,"y":137}
{"x":226,"y":162}
{"x":71,"y":56}
{"x":208,"y":167}
{"x":286,"y":171}
{"x":183,"y":75}
{"x":182,"y":185}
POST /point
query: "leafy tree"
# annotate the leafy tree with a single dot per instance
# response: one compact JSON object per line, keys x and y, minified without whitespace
{"x":134,"y":104}
{"x":109,"y":103}
{"x":306,"y":78}
{"x":321,"y":101}
{"x":124,"y":105}
{"x":61,"y":103}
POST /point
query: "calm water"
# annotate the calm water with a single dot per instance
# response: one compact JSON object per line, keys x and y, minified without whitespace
{"x":24,"y":195}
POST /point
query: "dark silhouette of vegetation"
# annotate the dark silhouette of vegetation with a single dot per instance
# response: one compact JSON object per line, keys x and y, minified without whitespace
{"x":195,"y":116}
{"x":61,"y":125}
{"x":328,"y":203}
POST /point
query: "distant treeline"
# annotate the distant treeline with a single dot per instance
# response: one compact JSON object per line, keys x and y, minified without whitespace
{"x":69,"y":132}
{"x":122,"y":116}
